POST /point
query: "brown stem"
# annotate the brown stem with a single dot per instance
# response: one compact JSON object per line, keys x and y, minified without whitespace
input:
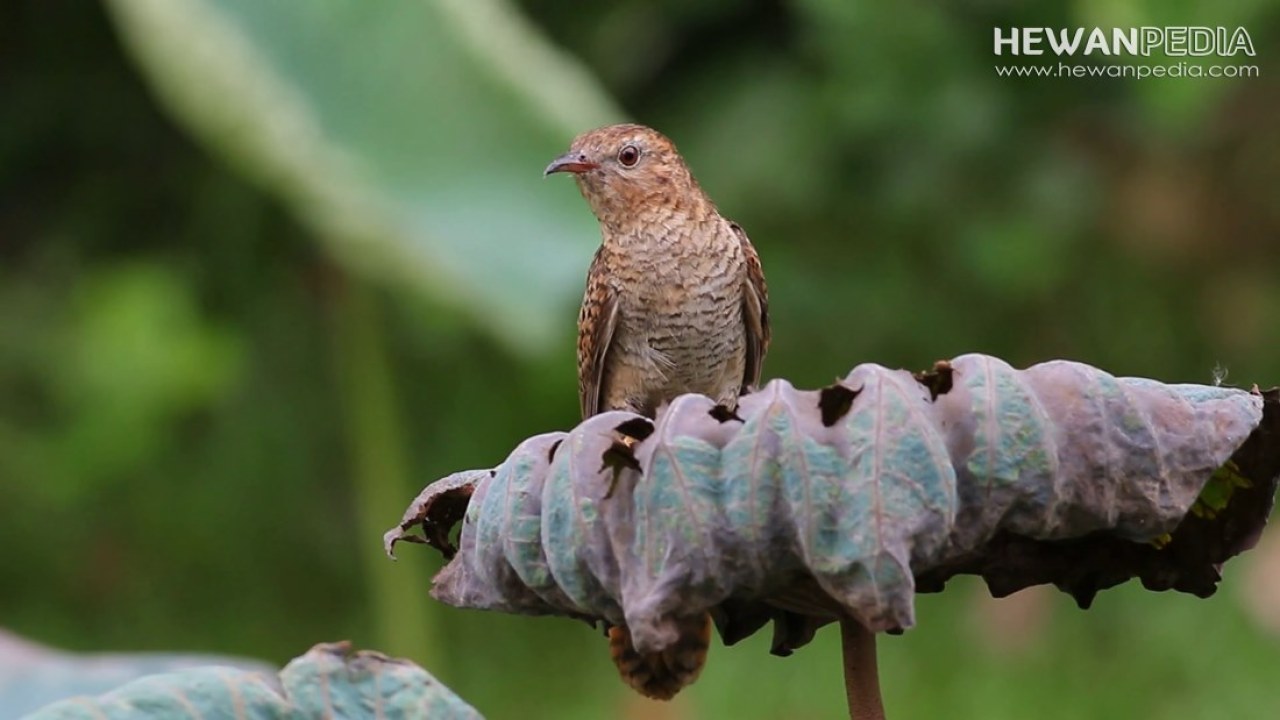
{"x":861,"y":677}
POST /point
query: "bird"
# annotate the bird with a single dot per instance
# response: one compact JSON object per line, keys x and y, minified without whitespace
{"x":675,"y":303}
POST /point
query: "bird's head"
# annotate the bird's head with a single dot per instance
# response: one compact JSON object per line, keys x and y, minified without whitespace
{"x":627,"y":171}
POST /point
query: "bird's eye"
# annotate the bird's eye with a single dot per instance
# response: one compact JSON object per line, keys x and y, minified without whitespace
{"x":629,"y":155}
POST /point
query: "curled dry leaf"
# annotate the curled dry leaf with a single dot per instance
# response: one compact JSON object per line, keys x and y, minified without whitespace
{"x":849,"y":500}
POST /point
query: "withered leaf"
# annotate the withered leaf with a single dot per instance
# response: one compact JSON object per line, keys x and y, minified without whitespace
{"x":841,"y":502}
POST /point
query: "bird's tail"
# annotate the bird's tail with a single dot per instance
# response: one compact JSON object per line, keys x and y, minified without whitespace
{"x":661,"y":675}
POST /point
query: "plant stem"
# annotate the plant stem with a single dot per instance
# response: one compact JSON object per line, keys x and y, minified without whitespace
{"x":380,"y":488}
{"x":861,"y":676}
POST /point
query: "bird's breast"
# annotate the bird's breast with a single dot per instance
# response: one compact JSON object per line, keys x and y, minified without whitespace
{"x":680,"y":318}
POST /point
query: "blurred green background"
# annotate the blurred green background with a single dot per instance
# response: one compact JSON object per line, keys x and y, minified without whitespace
{"x":267,"y":268}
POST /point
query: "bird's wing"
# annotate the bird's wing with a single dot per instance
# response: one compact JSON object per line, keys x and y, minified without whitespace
{"x":755,"y":312}
{"x":596,"y":322}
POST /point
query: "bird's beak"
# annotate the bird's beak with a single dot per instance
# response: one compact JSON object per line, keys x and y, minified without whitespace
{"x":571,"y":162}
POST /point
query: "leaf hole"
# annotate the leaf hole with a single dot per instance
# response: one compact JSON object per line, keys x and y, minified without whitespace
{"x":834,"y":402}
{"x":636,"y":428}
{"x":939,"y":380}
{"x":620,"y":455}
{"x":723,"y":414}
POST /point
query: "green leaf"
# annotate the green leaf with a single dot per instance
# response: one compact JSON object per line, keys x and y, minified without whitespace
{"x":330,"y":681}
{"x":32,"y":675}
{"x":1217,"y":493}
{"x":411,"y":135}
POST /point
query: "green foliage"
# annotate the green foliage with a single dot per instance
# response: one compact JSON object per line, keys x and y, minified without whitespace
{"x":407,"y":132}
{"x":32,"y":676}
{"x":1217,"y":493}
{"x":329,"y":681}
{"x":906,"y":203}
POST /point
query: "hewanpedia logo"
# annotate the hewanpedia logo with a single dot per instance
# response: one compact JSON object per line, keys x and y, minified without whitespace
{"x":1138,"y":41}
